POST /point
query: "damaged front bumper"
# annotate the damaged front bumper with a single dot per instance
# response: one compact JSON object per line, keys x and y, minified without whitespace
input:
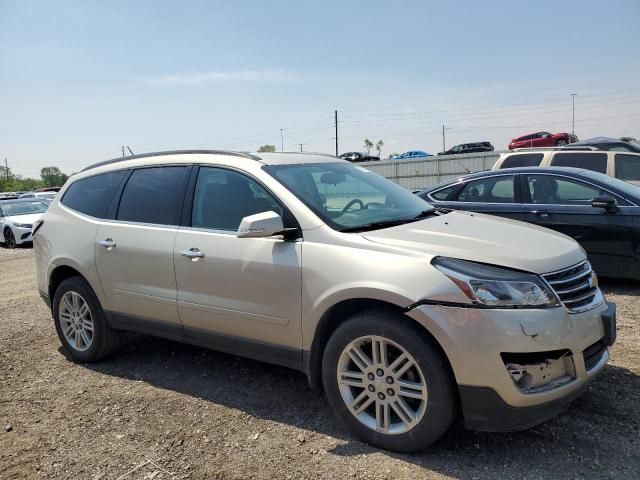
{"x":517,"y":368}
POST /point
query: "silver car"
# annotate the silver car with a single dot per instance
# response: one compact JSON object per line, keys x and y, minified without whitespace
{"x":405,"y":316}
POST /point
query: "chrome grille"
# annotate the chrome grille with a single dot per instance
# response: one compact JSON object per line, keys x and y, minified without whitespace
{"x":574,"y":287}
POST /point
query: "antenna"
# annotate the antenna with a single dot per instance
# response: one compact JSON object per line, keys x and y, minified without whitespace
{"x":468,"y":171}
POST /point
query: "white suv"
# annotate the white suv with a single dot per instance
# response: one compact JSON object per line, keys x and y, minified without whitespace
{"x":623,"y":165}
{"x":401,"y":313}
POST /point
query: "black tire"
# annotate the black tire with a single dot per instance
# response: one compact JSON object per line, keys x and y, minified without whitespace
{"x":561,"y":143}
{"x":105,"y":339}
{"x":441,"y":404}
{"x":9,"y":238}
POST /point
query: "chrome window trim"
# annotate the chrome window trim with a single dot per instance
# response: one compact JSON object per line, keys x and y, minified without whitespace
{"x":458,"y":182}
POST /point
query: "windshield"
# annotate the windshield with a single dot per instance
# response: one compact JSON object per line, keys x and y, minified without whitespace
{"x":23,"y":208}
{"x":348,"y":197}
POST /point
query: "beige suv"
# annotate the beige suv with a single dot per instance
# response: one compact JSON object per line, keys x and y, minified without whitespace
{"x":405,"y":316}
{"x":622,"y":165}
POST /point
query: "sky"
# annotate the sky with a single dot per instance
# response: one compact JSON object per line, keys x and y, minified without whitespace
{"x":80,"y":79}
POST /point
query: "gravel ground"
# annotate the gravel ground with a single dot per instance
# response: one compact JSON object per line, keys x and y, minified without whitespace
{"x":161,"y":410}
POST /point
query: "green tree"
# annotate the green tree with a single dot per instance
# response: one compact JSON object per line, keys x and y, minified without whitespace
{"x":267,"y":148}
{"x":368,"y":145}
{"x":53,"y":177}
{"x":379,"y":146}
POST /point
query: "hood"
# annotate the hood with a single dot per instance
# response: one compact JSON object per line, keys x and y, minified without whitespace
{"x":486,"y":239}
{"x":30,"y":219}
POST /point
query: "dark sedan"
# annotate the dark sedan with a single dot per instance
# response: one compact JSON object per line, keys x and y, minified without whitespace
{"x":600,"y":212}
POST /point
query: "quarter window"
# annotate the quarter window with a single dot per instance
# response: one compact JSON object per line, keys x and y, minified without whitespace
{"x":551,"y":190}
{"x":522,"y":160}
{"x":596,"y":162}
{"x":489,"y":190}
{"x":223,"y":198}
{"x":151,"y":195}
{"x":93,"y":195}
{"x":627,"y":167}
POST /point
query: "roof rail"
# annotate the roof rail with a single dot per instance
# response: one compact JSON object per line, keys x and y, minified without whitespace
{"x":172,"y":152}
{"x":305,"y":153}
{"x":550,"y":149}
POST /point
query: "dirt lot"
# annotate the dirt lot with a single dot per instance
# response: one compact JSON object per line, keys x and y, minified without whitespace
{"x":163,"y":410}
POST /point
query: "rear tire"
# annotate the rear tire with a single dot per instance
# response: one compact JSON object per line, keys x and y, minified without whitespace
{"x":80,"y":322}
{"x":9,"y":239}
{"x":401,"y":398}
{"x":561,"y":143}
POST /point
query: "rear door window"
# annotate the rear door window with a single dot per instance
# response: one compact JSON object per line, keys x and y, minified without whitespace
{"x":522,"y":160}
{"x":627,"y":166}
{"x":596,"y":162}
{"x":151,"y":195}
{"x":93,"y":195}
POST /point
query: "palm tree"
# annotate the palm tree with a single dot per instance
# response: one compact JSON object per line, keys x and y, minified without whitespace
{"x":368,"y":145}
{"x":379,"y":146}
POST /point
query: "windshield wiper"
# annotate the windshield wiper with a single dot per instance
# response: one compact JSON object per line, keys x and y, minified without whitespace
{"x":389,"y":223}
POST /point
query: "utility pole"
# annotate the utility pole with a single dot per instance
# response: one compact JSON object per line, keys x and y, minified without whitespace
{"x":123,"y":151}
{"x":301,"y":144}
{"x":281,"y":140}
{"x":444,"y":143}
{"x":6,"y":168}
{"x":573,"y":113}
{"x":336,"y":119}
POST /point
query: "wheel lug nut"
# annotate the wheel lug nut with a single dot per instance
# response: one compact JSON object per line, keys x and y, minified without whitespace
{"x":370,"y":376}
{"x":381,"y":396}
{"x":390,"y":392}
{"x":389,"y":380}
{"x":372,"y":388}
{"x":380,"y":372}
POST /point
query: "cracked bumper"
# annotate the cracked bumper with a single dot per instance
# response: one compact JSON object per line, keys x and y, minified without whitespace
{"x":473,"y":340}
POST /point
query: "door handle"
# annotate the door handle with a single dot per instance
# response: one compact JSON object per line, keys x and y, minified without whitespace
{"x":540,"y":213}
{"x":193,"y":253}
{"x":107,"y":243}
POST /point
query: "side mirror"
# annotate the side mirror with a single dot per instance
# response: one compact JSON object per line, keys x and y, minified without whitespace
{"x":605,"y":202}
{"x":265,"y":224}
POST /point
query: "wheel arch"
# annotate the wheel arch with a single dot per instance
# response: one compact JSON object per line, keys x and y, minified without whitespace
{"x":59,"y":272}
{"x":337,"y":314}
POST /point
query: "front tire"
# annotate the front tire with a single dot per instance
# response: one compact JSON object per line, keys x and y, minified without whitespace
{"x":388,"y":381}
{"x":9,"y":239}
{"x":80,"y":322}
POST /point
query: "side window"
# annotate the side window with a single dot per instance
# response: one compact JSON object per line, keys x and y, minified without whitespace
{"x":444,"y":194}
{"x":551,"y":190}
{"x":223,"y":198}
{"x":522,"y":160}
{"x":151,"y":195}
{"x":93,"y":195}
{"x":596,"y":162}
{"x":627,"y":167}
{"x":489,"y":190}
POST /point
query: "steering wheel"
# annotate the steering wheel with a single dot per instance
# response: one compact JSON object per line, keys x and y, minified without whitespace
{"x":352,"y":203}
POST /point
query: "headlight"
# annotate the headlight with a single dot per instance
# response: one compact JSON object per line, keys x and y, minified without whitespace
{"x":23,"y":225}
{"x":496,"y":287}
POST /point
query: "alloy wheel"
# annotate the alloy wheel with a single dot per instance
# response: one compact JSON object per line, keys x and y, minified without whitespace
{"x":382,"y":385}
{"x":76,"y":321}
{"x":9,"y":239}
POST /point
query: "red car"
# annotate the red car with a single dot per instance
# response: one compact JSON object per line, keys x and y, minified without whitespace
{"x":542,"y":139}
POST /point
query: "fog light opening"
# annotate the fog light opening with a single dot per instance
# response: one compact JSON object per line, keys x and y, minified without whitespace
{"x":537,"y":372}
